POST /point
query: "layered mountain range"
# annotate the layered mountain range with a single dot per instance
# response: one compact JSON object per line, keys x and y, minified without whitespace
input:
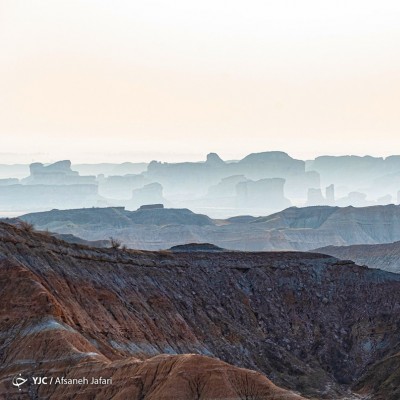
{"x":193,"y":325}
{"x":291,"y":229}
{"x":260,"y":183}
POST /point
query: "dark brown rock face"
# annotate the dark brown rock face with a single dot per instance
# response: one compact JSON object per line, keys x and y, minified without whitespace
{"x":309,"y":322}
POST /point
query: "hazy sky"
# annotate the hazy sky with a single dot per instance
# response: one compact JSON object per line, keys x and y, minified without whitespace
{"x":125,"y":79}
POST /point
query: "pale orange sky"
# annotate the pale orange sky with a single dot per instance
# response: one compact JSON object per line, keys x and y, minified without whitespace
{"x":118,"y":80}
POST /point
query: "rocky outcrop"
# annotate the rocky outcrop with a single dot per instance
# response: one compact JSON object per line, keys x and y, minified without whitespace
{"x":309,"y":322}
{"x":59,"y":173}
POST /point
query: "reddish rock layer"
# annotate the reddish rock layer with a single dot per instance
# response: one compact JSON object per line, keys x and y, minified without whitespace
{"x":164,"y":377}
{"x":307,"y":321}
{"x":35,"y":342}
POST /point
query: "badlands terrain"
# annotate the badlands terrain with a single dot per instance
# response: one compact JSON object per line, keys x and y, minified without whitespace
{"x":294,"y":228}
{"x":193,"y":325}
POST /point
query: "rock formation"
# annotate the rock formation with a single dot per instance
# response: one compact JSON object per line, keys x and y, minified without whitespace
{"x":226,"y":187}
{"x":330,"y":195}
{"x":195,"y":179}
{"x":59,"y":173}
{"x":148,"y":194}
{"x":51,"y":186}
{"x":264,"y":194}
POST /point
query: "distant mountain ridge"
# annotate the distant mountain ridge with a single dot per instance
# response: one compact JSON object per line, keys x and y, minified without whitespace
{"x":261,"y":183}
{"x":196,"y":247}
{"x":119,"y":217}
{"x":291,"y":229}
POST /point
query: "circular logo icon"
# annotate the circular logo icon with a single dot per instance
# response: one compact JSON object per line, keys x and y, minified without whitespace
{"x":18,"y":381}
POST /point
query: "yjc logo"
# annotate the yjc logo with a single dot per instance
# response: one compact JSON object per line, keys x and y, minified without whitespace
{"x":18,"y":381}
